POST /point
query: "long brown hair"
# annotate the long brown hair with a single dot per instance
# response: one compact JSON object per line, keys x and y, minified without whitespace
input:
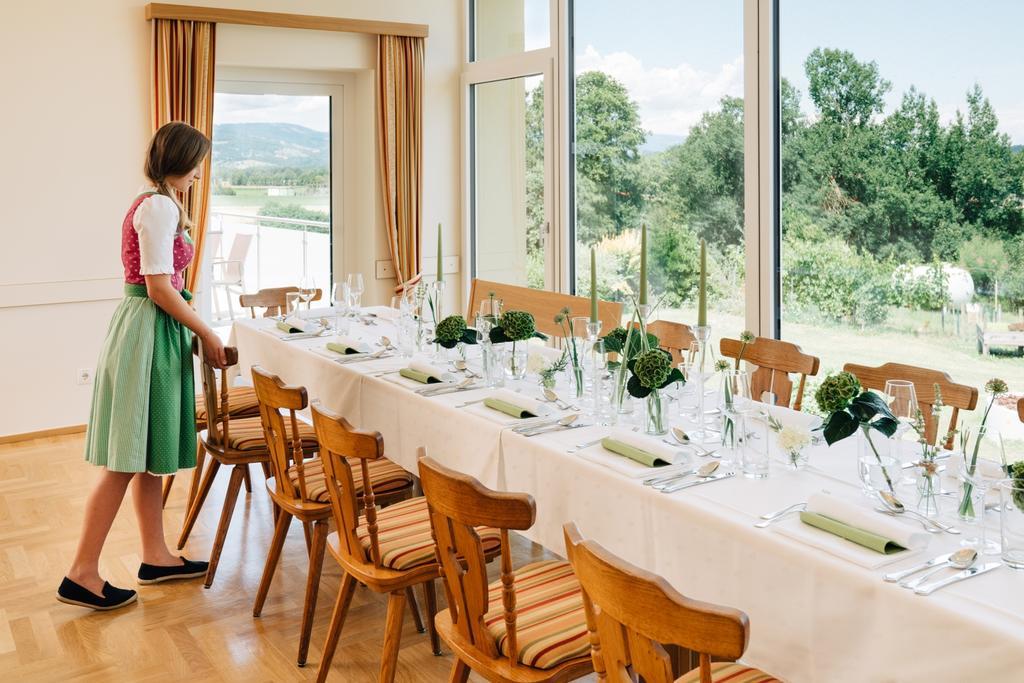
{"x":175,"y":150}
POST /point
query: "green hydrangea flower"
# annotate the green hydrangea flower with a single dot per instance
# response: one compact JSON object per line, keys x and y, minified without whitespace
{"x":652,"y":368}
{"x":836,"y":392}
{"x":451,"y":329}
{"x":1016,"y":472}
{"x":517,"y":325}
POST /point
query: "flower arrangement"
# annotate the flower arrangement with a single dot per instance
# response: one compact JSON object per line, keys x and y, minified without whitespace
{"x":515,"y":326}
{"x":651,"y":371}
{"x":849,"y":408}
{"x":746,"y":339}
{"x":995,"y":388}
{"x":929,"y":451}
{"x":617,"y":340}
{"x":564,"y":320}
{"x":792,"y":440}
{"x":547,"y":370}
{"x":1016,"y":475}
{"x":453,"y":331}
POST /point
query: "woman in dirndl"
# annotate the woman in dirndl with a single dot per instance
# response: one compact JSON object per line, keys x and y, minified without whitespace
{"x":141,"y":425}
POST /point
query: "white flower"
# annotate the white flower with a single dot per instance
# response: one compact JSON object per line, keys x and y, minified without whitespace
{"x":537,"y":363}
{"x":793,"y":439}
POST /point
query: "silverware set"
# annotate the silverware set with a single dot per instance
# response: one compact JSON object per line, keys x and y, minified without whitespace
{"x":962,"y":560}
{"x":770,"y":518}
{"x":698,"y":482}
{"x":664,"y":481}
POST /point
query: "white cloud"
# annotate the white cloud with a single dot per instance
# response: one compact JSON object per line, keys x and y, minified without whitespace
{"x":310,"y":111}
{"x":671,"y":99}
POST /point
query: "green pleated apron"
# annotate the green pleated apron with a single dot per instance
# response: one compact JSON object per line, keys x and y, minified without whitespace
{"x":143,"y":404}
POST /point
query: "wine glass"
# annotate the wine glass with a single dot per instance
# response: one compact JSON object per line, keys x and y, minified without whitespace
{"x":307,"y":289}
{"x":339,"y":300}
{"x":355,"y":288}
{"x":491,"y":308}
{"x":902,"y":399}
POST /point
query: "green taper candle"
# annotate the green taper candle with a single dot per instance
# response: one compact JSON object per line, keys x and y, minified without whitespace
{"x":643,"y":265}
{"x":702,"y":294}
{"x":440,"y":258}
{"x":593,"y":285}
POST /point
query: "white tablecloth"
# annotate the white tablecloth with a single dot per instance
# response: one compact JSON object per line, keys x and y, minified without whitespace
{"x":816,"y":615}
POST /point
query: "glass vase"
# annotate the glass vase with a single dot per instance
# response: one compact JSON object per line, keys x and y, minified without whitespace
{"x":705,"y":430}
{"x":1011,"y":522}
{"x":928,"y":487}
{"x":876,"y":471}
{"x":797,"y":459}
{"x":656,"y":413}
{"x":516,"y":364}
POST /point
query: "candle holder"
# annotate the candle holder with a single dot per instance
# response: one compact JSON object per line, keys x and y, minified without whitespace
{"x":705,"y":427}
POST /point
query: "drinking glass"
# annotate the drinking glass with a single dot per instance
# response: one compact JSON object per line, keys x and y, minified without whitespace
{"x":491,"y":308}
{"x":687,"y":393}
{"x":339,"y":301}
{"x":754,"y":450}
{"x":1011,"y":522}
{"x":355,"y":288}
{"x":985,"y":476}
{"x":291,"y":303}
{"x":307,"y":289}
{"x":875,"y":473}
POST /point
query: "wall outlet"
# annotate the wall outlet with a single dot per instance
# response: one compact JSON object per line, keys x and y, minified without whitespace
{"x":84,"y":375}
{"x":385,"y":269}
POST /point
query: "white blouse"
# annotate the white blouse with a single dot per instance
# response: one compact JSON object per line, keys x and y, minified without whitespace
{"x":156,"y":222}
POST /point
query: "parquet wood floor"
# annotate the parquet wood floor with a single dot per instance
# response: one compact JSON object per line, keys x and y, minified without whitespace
{"x":176,"y":631}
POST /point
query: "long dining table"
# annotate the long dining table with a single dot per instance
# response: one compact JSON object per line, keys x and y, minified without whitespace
{"x":819,"y":609}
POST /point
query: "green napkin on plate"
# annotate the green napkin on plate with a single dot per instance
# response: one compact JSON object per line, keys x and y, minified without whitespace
{"x":641,"y":456}
{"x":879,"y":544}
{"x":287,"y":327}
{"x":338,"y":347}
{"x":417,"y":376}
{"x":507,"y":408}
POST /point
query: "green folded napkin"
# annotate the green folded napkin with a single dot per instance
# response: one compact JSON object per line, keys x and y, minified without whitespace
{"x":507,"y":408}
{"x":286,"y":327}
{"x":345,"y":349}
{"x":879,"y":544}
{"x":633,"y":453}
{"x":417,"y":376}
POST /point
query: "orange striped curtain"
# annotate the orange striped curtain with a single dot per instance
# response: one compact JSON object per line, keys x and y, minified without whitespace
{"x":400,"y":150}
{"x":183,"y":61}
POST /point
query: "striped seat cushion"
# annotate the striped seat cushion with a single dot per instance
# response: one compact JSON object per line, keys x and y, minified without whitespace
{"x":246,"y":434}
{"x":551,"y":626}
{"x":729,"y":672}
{"x":404,"y":538}
{"x":241,"y":403}
{"x":385,"y":475}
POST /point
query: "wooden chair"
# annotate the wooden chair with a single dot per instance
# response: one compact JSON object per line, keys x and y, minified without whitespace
{"x":299,"y":490}
{"x":528,"y":626}
{"x":272,"y":299}
{"x":631,"y":613}
{"x":958,"y":396}
{"x":1020,"y":409}
{"x":673,"y":337}
{"x":774,"y":360}
{"x":235,"y":442}
{"x":542,"y":304}
{"x":389,"y":551}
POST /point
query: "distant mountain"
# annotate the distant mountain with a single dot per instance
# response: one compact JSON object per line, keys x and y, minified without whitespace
{"x":1017,"y":148}
{"x":264,"y":145}
{"x":659,"y":142}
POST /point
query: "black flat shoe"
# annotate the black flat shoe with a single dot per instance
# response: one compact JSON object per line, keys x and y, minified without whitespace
{"x":73,"y":594}
{"x":151,"y":573}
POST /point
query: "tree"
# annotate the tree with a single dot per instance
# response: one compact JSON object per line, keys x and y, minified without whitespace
{"x":845,"y":91}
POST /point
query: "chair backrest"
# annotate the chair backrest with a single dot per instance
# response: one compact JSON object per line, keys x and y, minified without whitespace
{"x":340,"y":441}
{"x":282,"y":436}
{"x":458,"y":503}
{"x":234,"y":265}
{"x":958,"y":396}
{"x":542,"y":304}
{"x":630,"y":612}
{"x":1020,"y":409}
{"x":673,"y":337}
{"x":215,"y":393}
{"x":774,"y":360}
{"x":272,"y":299}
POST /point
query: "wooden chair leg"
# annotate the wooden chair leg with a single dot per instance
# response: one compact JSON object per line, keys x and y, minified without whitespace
{"x":348,"y":589}
{"x":197,"y":474}
{"x":316,"y":563}
{"x":197,"y":504}
{"x":307,"y":530}
{"x":266,"y":470}
{"x":460,"y":672}
{"x":284,"y":520}
{"x":247,"y":479}
{"x":392,"y":637}
{"x":230,"y":498}
{"x":431,"y":600}
{"x":414,"y":608}
{"x":168,"y":483}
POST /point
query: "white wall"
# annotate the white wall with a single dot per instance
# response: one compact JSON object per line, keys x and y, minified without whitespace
{"x":76,"y":123}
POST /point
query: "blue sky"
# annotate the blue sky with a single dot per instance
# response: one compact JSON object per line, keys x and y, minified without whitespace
{"x":678,"y":56}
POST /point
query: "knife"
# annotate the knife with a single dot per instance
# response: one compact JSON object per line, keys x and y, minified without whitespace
{"x":893,"y":577}
{"x":680,"y":487}
{"x":959,"y":576}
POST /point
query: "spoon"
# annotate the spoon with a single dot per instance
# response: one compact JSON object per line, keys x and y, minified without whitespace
{"x":552,"y":397}
{"x":563,"y":422}
{"x":893,"y":504}
{"x":961,"y":559}
{"x":386,"y":343}
{"x":682,"y":437}
{"x":463,"y":367}
{"x":703,"y":472}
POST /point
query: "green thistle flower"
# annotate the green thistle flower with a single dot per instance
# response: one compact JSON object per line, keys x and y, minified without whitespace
{"x":721,"y":365}
{"x":996,"y":386}
{"x":451,"y":329}
{"x":837,"y":391}
{"x":517,"y":325}
{"x":652,"y":368}
{"x":747,"y":337}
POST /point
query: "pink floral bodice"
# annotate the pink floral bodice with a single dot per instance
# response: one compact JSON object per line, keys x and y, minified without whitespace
{"x":130,"y":257}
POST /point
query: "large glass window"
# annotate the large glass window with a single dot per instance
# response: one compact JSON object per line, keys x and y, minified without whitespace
{"x":510,"y":217}
{"x":902,"y":200}
{"x":659,"y":140}
{"x":508,"y":27}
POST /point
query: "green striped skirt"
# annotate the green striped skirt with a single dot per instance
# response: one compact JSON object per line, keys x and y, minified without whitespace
{"x":143,"y":403}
